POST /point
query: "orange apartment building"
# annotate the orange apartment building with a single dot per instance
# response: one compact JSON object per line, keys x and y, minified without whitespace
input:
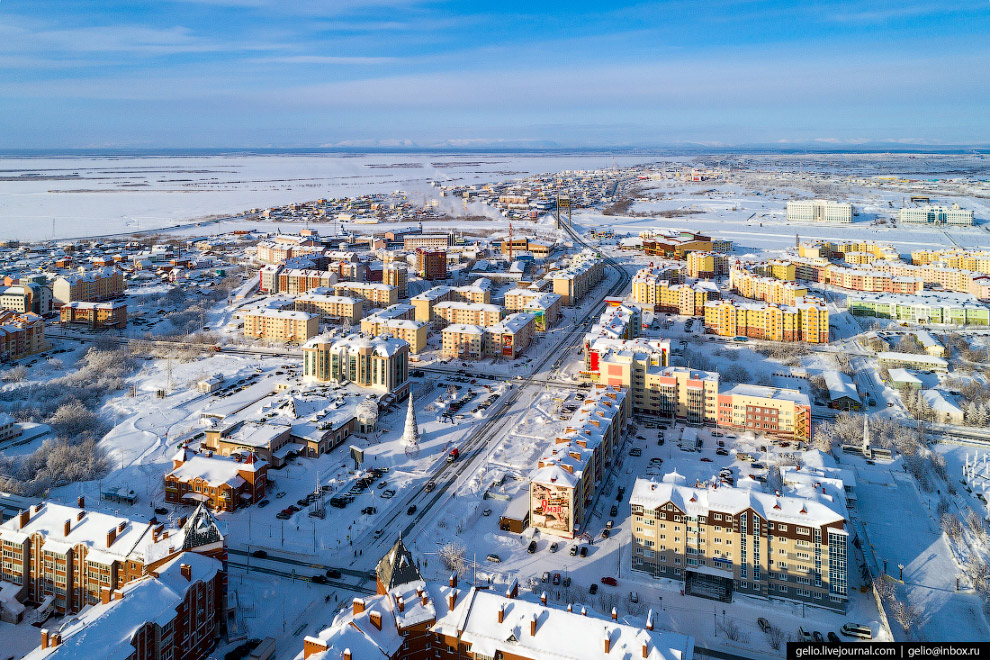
{"x":280,"y":325}
{"x":93,"y":286}
{"x":97,"y":315}
{"x":339,"y":309}
{"x":375,"y":294}
{"x":457,"y":312}
{"x":431,"y":264}
{"x":295,"y":281}
{"x":806,"y":320}
{"x":20,"y":335}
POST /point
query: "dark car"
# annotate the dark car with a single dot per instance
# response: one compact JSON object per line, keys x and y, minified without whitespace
{"x":262,"y":504}
{"x":832,"y":637}
{"x":573,"y":550}
{"x":162,"y":511}
{"x":260,"y":554}
{"x":817,"y":636}
{"x":411,"y":510}
{"x":610,"y":581}
{"x":584,"y":551}
{"x":593,"y":589}
{"x":430,"y":485}
{"x":333,"y":572}
{"x":532,"y":547}
{"x":605,"y":533}
{"x":369,"y":510}
{"x":614,"y":510}
{"x":556,"y":578}
{"x":763,"y":624}
{"x":706,"y":460}
{"x":721,"y":452}
{"x":320,"y":579}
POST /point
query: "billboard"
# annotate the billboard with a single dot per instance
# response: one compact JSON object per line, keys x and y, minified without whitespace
{"x":551,"y":508}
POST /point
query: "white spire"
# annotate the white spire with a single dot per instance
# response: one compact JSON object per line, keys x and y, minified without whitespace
{"x":410,"y":436}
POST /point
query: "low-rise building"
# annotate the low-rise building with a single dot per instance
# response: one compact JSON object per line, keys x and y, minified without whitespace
{"x":912,"y":361}
{"x":806,"y":320}
{"x":93,"y":286}
{"x":20,"y":335}
{"x":510,"y":336}
{"x":716,"y":540}
{"x":773,"y":411}
{"x":97,"y":315}
{"x":446,"y":313}
{"x":544,"y":306}
{"x":462,"y":341}
{"x":930,"y":308}
{"x":280,"y":325}
{"x":222,"y":483}
{"x":936,"y":215}
{"x":330,"y":308}
{"x":375,"y":293}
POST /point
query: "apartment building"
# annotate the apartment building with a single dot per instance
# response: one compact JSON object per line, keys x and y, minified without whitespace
{"x":71,"y":554}
{"x":678,"y":244}
{"x":176,"y":611}
{"x":572,"y":283}
{"x":975,"y":260}
{"x":20,"y":335}
{"x":717,"y":540}
{"x":662,"y":391}
{"x":467,"y":313}
{"x":415,"y":333}
{"x":894,"y":359}
{"x":431,"y":264}
{"x":576,"y":462}
{"x":618,"y":321}
{"x":544,"y":306}
{"x":399,"y":311}
{"x":412,"y":242}
{"x":819,"y":210}
{"x":295,"y":281}
{"x":511,"y":336}
{"x":767,"y":289}
{"x":93,"y":286}
{"x":410,"y":618}
{"x":936,"y":215}
{"x":27,"y":297}
{"x":838,"y":249}
{"x":806,"y":320}
{"x":380,"y":363}
{"x":929,"y":308}
{"x":425,"y":302}
{"x":222,"y":483}
{"x":396,"y":274}
{"x":655,"y":352}
{"x":280,"y":325}
{"x":337,"y":309}
{"x":375,"y":293}
{"x":463,"y":341}
{"x":707,"y":265}
{"x":778,"y":412}
{"x":663,"y":296}
{"x":268,"y":278}
{"x":874,"y":280}
{"x":479,"y":291}
{"x":96,"y":315}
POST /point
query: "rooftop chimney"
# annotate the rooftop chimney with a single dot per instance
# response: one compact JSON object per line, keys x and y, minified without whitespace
{"x":357,"y":606}
{"x":615,"y":614}
{"x":543,"y":598}
{"x":425,"y":599}
{"x":313,"y":645}
{"x":66,"y":527}
{"x":376,"y":619}
{"x":452,"y":581}
{"x":55,"y":640}
{"x":186,"y":571}
{"x":607,"y":641}
{"x":646,"y":650}
{"x":22,"y":518}
{"x":532,"y":625}
{"x":452,"y":597}
{"x":111,"y":535}
{"x":501,"y":613}
{"x":347,"y":654}
{"x":44,"y":638}
{"x":584,"y":611}
{"x":81,"y":502}
{"x":402,"y":604}
{"x":570,"y":608}
{"x":121,"y":526}
{"x":649,"y":620}
{"x":104,"y":595}
{"x":118,"y":594}
{"x":79,"y":516}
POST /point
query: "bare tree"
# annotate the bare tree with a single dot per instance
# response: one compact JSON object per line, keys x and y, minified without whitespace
{"x":452,"y":557}
{"x":15,"y":374}
{"x":775,"y":635}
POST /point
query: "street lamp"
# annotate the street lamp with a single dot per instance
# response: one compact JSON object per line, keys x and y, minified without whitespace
{"x":900,"y":568}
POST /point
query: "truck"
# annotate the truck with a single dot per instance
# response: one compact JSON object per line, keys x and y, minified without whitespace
{"x":453,"y":455}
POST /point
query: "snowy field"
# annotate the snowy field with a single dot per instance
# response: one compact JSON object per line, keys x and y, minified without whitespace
{"x":105,"y":195}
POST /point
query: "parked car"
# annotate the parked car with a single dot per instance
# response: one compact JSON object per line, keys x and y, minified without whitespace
{"x":556,"y":578}
{"x":369,"y":510}
{"x":554,"y":546}
{"x":487,"y":512}
{"x":593,"y":589}
{"x":260,"y":554}
{"x":705,"y":459}
{"x":333,"y":572}
{"x":763,"y":624}
{"x":818,"y":636}
{"x":721,"y":451}
{"x":495,"y":559}
{"x":574,"y":550}
{"x":531,"y":548}
{"x":319,"y":579}
{"x":262,"y":504}
{"x":832,"y":637}
{"x":584,"y":551}
{"x":411,"y":510}
{"x":609,"y":524}
{"x":161,"y":511}
{"x":633,"y":597}
{"x":614,"y":511}
{"x":610,"y":581}
{"x":430,"y":485}
{"x":605,"y":533}
{"x":856,"y":630}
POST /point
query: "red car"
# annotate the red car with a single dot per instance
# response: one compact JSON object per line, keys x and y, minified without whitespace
{"x":610,"y":581}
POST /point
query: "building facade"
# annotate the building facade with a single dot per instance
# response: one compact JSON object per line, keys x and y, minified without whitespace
{"x":380,"y":363}
{"x":280,"y":325}
{"x":93,"y":286}
{"x":96,"y":315}
{"x":221,"y":483}
{"x":819,"y":210}
{"x":374,"y":293}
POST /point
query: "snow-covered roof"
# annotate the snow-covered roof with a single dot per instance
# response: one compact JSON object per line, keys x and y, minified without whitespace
{"x":900,"y":375}
{"x":726,"y":499}
{"x":464,"y":305}
{"x":894,"y":356}
{"x":558,"y":634}
{"x":382,"y":345}
{"x":941,"y":402}
{"x":512,"y":323}
{"x":215,"y":470}
{"x":840,"y":385}
{"x":464,"y":328}
{"x":778,"y":393}
{"x":435,"y":293}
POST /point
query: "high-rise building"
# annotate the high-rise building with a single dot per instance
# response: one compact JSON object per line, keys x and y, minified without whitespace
{"x":431,"y":264}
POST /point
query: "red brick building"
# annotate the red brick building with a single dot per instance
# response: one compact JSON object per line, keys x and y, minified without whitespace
{"x":431,"y":264}
{"x":223,"y":483}
{"x":176,"y":611}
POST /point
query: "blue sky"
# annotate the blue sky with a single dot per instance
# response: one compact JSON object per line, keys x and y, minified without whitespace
{"x":255,"y":73}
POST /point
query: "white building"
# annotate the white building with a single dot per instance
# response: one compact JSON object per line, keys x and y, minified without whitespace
{"x":936,"y":215}
{"x":819,"y":210}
